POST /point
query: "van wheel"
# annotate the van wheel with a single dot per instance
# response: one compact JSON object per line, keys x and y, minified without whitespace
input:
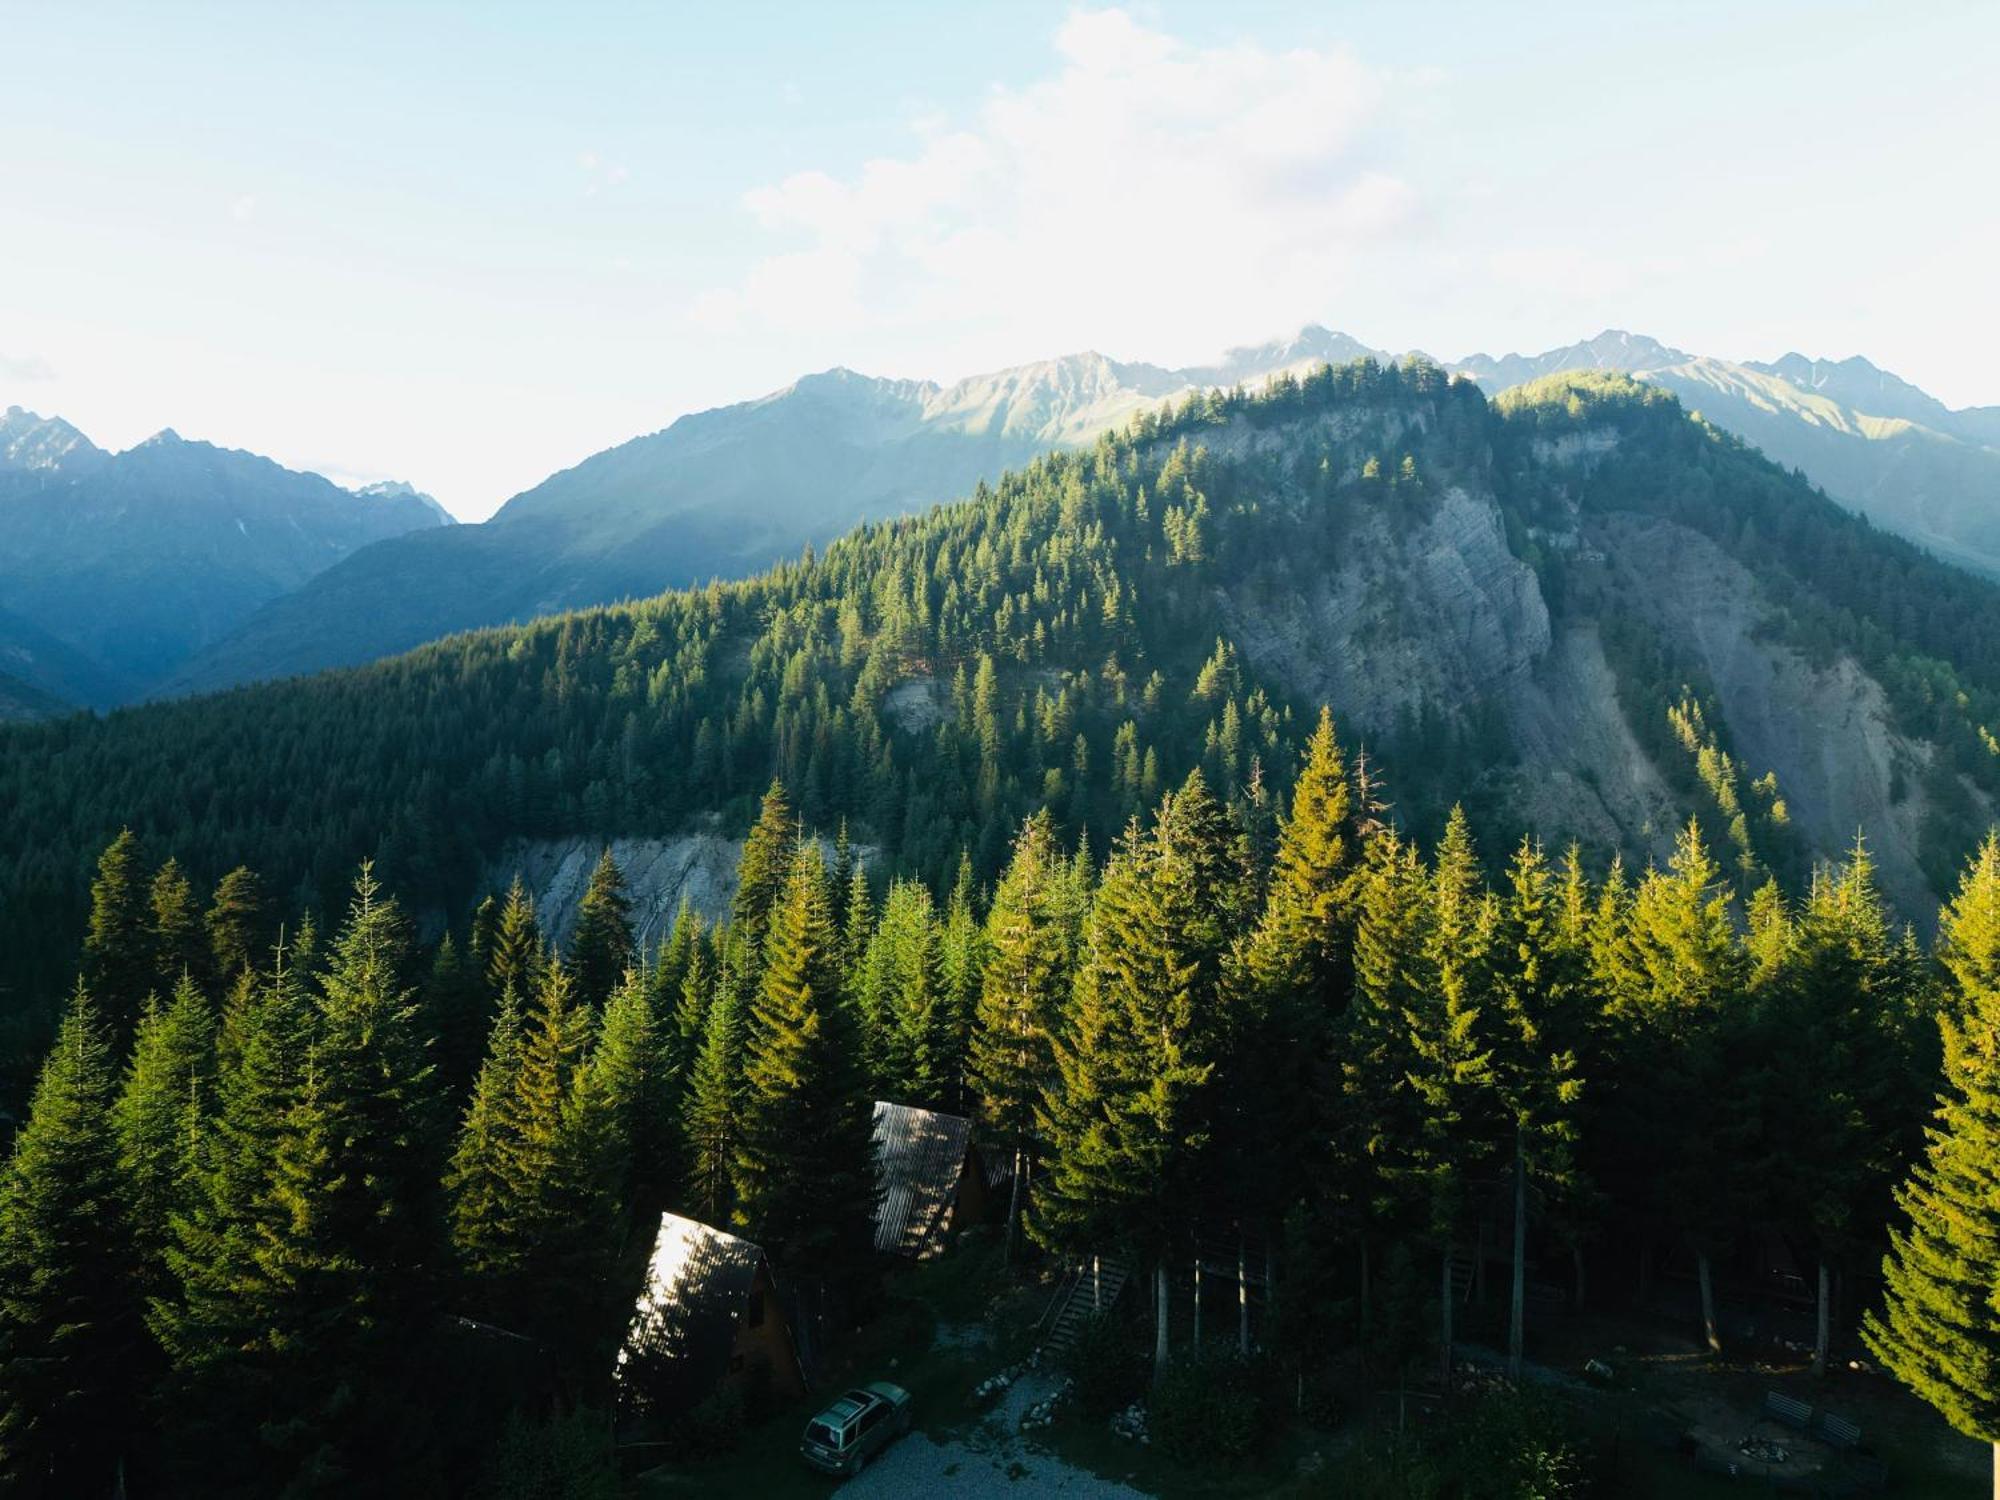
{"x":860,"y":1463}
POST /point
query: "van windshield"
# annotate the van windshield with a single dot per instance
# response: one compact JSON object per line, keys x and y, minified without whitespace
{"x":825,"y":1436}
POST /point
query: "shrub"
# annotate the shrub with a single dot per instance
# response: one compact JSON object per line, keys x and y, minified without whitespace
{"x":713,"y":1426}
{"x":1108,"y":1368}
{"x":1210,"y":1406}
{"x":1515,"y":1445}
{"x":567,"y":1458}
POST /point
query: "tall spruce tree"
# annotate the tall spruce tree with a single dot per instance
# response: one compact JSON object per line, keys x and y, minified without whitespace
{"x":1130,"y":1142}
{"x":118,"y":968}
{"x":712,"y":1110}
{"x":477,"y":1185}
{"x":1938,"y":1329}
{"x":216,"y":1321}
{"x":175,"y":929}
{"x":68,"y":1316}
{"x":903,"y":1008}
{"x":764,"y":869}
{"x":1689,"y":1137}
{"x":601,"y":948}
{"x":237,"y":924}
{"x":1541,"y":991}
{"x":1032,"y":934}
{"x":629,"y":1079}
{"x":516,"y":952}
{"x":805,"y":1174}
{"x":160,"y":1119}
{"x":352,"y":1259}
{"x":1452,"y":1038}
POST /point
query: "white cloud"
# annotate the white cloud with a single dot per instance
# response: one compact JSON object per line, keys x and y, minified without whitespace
{"x":244,"y":209}
{"x":26,"y":367}
{"x":1145,"y":181}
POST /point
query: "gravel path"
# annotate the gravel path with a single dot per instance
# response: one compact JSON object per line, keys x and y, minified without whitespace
{"x":992,"y":1463}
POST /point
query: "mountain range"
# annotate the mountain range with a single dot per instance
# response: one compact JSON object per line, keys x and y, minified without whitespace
{"x":1577,"y":609}
{"x":116,"y":568}
{"x":728,"y":491}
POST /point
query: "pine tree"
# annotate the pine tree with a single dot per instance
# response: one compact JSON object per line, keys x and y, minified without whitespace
{"x":178,"y":937}
{"x":961,"y":959}
{"x":1374,"y":1115}
{"x":1688,"y":1136}
{"x":117,"y":950}
{"x":805,"y":1158}
{"x":1129,"y":1156}
{"x":1541,"y":990}
{"x":711,"y":1113}
{"x":1938,"y":1330}
{"x":236,"y":924}
{"x":456,"y":1012}
{"x":478,"y":1182}
{"x":216,"y":1322}
{"x":353,"y":1170}
{"x":902,"y":1003}
{"x":600,"y":949}
{"x":1032,"y":933}
{"x":516,"y":952}
{"x":1452,"y":1036}
{"x":68,"y":1322}
{"x":1304,"y":938}
{"x":1831,"y":1049}
{"x":629,"y":1080}
{"x":159,"y":1120}
{"x":762,"y":873}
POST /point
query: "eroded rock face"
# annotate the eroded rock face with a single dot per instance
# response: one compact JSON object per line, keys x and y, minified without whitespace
{"x":698,"y":869}
{"x":1443,"y":615}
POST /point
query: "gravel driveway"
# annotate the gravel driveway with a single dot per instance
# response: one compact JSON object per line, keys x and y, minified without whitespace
{"x":993,"y":1465}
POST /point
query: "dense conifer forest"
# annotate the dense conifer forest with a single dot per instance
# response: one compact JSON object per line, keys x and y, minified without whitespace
{"x":302,"y":1154}
{"x":277,"y":1184}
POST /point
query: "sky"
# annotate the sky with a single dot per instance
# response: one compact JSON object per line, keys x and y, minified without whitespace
{"x":466,"y":246}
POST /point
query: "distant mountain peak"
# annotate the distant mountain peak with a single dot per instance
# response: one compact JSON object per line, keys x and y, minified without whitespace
{"x":29,"y":440}
{"x":401,"y":489}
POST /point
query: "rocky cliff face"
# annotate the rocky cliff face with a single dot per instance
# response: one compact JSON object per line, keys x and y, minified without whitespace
{"x":697,"y":870}
{"x":1443,"y":617}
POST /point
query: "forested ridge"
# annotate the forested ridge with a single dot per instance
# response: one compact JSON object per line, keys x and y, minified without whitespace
{"x":1053,"y":641}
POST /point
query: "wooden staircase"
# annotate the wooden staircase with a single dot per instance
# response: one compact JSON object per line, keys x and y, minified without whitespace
{"x":1464,"y":1271}
{"x":1089,"y":1289}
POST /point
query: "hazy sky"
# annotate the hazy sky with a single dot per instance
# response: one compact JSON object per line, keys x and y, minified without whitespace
{"x":466,"y":246}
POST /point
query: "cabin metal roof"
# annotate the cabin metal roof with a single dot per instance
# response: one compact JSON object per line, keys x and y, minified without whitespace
{"x":683,"y":1329}
{"x":919,"y":1154}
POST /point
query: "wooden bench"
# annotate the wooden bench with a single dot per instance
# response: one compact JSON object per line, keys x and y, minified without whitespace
{"x":1781,"y":1408}
{"x":1835,"y":1431}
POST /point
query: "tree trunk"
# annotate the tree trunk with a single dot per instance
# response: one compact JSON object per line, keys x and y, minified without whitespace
{"x":1444,"y":1327}
{"x":1196,"y":1345}
{"x":1646,"y":1274}
{"x":1479,"y":1265}
{"x":1097,"y":1284}
{"x":1996,"y":1471}
{"x":1014,"y":1206}
{"x":1242,"y":1299}
{"x":1518,"y":1300}
{"x":1364,"y":1286}
{"x":1708,"y":1328}
{"x":1160,"y":1350}
{"x":1576,"y":1259}
{"x":1821,"y":1332}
